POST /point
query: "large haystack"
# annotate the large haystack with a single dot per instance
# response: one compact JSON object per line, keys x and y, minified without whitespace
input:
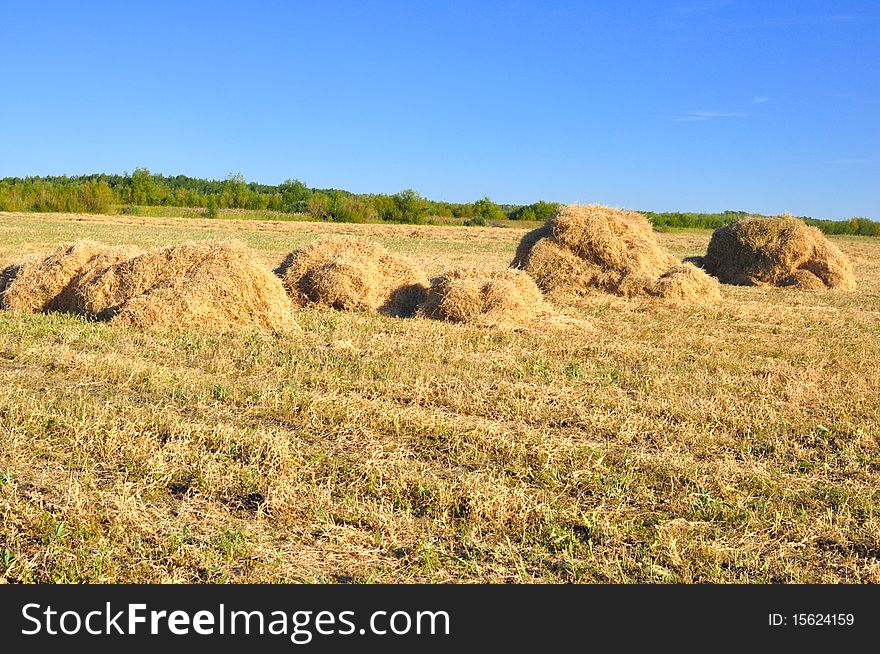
{"x":351,"y":274}
{"x":779,"y":251}
{"x":211,"y":286}
{"x":50,"y":283}
{"x":587,"y":248}
{"x":483,"y":297}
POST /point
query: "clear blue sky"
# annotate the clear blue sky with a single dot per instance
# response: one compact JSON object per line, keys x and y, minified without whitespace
{"x":691,"y":105}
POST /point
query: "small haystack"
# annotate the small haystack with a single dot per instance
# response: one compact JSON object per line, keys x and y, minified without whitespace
{"x":212,"y":286}
{"x":587,"y":248}
{"x":50,"y":283}
{"x":483,"y":297}
{"x":351,"y":274}
{"x":687,"y":283}
{"x":779,"y":251}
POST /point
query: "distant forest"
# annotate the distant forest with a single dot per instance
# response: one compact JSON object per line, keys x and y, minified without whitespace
{"x":126,"y":193}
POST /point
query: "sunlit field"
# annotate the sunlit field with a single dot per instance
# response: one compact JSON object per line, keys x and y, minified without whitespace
{"x":618,"y":440}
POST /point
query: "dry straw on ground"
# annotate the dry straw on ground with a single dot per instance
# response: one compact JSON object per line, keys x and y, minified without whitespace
{"x":352,"y":274}
{"x":483,"y":297}
{"x":50,"y":283}
{"x":587,"y":248}
{"x":779,"y":251}
{"x":212,"y":285}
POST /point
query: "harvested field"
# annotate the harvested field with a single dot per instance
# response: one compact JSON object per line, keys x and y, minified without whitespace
{"x":732,"y":441}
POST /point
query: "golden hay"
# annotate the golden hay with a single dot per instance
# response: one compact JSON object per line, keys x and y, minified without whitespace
{"x":803,"y":280}
{"x":478,"y":296}
{"x":686,"y":282}
{"x":587,"y":248}
{"x":351,"y":274}
{"x":110,"y":288}
{"x":779,"y":251}
{"x":213,"y":286}
{"x":50,"y":283}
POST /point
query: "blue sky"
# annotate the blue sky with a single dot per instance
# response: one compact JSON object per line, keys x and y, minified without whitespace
{"x":693,"y":105}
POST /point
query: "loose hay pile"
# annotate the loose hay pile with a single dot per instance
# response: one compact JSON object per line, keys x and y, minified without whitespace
{"x":351,"y":274}
{"x":213,"y":286}
{"x":51,"y":283}
{"x":208,"y":285}
{"x":489,"y":298}
{"x":779,"y":251}
{"x":587,"y":248}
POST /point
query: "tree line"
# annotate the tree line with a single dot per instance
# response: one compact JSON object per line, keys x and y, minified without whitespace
{"x":681,"y":220}
{"x":105,"y":193}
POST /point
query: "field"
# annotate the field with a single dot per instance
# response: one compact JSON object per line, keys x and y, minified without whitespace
{"x":616,"y":441}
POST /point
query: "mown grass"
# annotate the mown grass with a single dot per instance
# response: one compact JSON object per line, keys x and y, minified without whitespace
{"x":636,"y":442}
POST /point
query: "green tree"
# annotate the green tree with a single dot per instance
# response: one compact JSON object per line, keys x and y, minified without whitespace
{"x":294,"y":196}
{"x":486,"y":210}
{"x":409,"y":207}
{"x":142,"y":186}
{"x":318,"y":206}
{"x":235,"y":190}
{"x":96,"y":197}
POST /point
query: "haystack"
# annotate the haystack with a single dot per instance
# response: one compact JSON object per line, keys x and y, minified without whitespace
{"x":50,"y":283}
{"x":587,"y":248}
{"x":483,"y":297}
{"x":212,"y":286}
{"x":687,"y":283}
{"x":351,"y":274}
{"x":779,"y":251}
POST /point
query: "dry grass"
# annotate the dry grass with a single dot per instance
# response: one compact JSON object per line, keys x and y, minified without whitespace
{"x":584,"y":249}
{"x":691,"y":442}
{"x":779,"y":251}
{"x":353,"y":274}
{"x":492,"y":298}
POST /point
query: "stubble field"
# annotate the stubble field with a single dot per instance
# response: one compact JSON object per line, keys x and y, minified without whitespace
{"x":615,"y":441}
